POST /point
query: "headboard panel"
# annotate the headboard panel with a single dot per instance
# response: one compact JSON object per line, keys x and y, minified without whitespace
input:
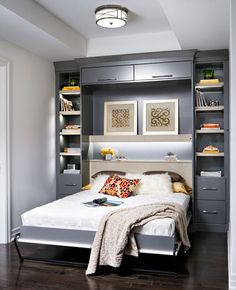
{"x":182,"y":167}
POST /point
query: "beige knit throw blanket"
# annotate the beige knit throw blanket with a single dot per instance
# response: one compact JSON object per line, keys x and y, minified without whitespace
{"x":115,"y":236}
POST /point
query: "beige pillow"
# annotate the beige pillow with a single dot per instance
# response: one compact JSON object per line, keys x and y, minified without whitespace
{"x":181,"y":187}
{"x":152,"y":184}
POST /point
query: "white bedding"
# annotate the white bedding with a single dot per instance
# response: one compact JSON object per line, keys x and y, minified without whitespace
{"x":71,"y":213}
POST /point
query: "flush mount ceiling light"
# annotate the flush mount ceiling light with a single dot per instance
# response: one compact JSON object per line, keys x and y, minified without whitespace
{"x":111,"y":16}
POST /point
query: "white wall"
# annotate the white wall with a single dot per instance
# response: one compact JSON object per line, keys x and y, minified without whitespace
{"x":32,"y":131}
{"x":232,"y":228}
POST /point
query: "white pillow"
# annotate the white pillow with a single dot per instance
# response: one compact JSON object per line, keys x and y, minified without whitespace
{"x":152,"y":184}
{"x":98,"y":182}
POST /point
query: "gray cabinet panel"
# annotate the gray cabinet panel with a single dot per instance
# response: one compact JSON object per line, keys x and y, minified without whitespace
{"x":159,"y":71}
{"x":212,"y":188}
{"x":107,"y":74}
{"x":69,"y":183}
{"x":212,"y":212}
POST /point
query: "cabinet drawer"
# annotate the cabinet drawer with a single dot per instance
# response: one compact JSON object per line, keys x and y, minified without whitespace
{"x":212,"y":188}
{"x":210,"y":211}
{"x":159,"y":71}
{"x":69,"y":183}
{"x":108,"y":74}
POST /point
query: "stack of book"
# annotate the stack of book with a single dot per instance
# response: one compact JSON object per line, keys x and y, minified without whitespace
{"x":209,"y":81}
{"x":211,"y":173}
{"x":72,"y":150}
{"x":71,"y":129}
{"x":71,"y":171}
{"x":71,"y":88}
{"x":210,"y":126}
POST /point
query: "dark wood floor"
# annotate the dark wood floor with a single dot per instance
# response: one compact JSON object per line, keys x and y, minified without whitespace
{"x":204,"y":267}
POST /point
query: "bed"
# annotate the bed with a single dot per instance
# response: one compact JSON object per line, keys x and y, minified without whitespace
{"x":65,"y":222}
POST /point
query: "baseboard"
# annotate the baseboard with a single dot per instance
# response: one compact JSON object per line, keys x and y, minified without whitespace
{"x":14,"y":232}
{"x":232,"y":281}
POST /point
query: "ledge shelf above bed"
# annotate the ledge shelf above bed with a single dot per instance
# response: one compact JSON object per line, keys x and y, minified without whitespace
{"x":141,"y":138}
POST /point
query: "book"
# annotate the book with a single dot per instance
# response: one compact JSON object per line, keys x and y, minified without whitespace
{"x":106,"y":203}
{"x":71,"y":171}
{"x":209,"y":81}
{"x":71,"y":88}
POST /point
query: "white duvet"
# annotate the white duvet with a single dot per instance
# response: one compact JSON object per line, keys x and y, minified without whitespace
{"x":71,"y":213}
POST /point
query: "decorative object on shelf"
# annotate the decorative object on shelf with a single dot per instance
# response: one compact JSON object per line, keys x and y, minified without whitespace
{"x":73,"y":82}
{"x":208,"y":73}
{"x":66,"y":105}
{"x":111,"y":16}
{"x":211,"y":150}
{"x":108,"y":153}
{"x":120,"y":118}
{"x":214,"y":103}
{"x":170,"y":157}
{"x":160,"y":117}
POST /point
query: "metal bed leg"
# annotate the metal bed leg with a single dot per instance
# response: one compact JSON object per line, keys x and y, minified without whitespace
{"x":17,"y":247}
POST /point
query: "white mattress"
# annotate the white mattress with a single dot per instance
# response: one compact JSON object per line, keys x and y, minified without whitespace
{"x":71,"y":213}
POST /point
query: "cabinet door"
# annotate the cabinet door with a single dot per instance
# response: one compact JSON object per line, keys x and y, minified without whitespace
{"x":108,"y":74}
{"x":211,"y":188}
{"x":164,"y":70}
{"x":210,"y":211}
{"x":69,"y":183}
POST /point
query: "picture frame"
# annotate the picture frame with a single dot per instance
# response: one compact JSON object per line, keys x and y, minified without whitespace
{"x":160,"y":117}
{"x":120,"y":118}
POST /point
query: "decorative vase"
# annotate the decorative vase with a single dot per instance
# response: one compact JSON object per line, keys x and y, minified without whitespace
{"x":108,"y":157}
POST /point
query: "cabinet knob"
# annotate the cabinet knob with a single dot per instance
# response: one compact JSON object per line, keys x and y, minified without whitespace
{"x":210,"y":212}
{"x":72,"y":184}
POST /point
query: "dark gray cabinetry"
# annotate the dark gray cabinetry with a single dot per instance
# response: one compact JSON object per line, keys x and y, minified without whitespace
{"x":107,"y":74}
{"x":165,"y":70}
{"x":69,"y":183}
{"x":211,"y":192}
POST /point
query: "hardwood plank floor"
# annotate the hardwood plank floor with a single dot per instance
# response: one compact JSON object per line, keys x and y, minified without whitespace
{"x":204,"y":267}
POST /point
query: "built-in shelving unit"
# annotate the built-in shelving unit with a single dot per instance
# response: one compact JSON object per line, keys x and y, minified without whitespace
{"x":211,"y":169}
{"x":68,"y":115}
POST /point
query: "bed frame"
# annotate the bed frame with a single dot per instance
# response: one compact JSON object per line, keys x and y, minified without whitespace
{"x":148,"y":244}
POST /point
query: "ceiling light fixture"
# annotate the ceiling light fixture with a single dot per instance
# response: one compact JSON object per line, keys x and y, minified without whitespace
{"x":111,"y":16}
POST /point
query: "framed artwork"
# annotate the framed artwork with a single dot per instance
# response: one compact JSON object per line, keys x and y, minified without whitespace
{"x":160,"y":117}
{"x":120,"y":118}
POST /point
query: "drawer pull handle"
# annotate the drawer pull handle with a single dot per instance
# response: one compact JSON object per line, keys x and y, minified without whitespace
{"x":109,"y":79}
{"x":210,"y":188}
{"x":210,"y":212}
{"x":68,"y":184}
{"x":162,"y":76}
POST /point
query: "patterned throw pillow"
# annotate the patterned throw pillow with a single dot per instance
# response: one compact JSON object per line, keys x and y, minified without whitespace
{"x":118,"y":186}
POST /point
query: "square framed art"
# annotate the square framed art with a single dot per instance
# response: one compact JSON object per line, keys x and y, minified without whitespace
{"x":120,"y":118}
{"x":160,"y":117}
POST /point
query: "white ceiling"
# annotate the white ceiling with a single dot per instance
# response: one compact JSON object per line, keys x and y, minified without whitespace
{"x":66,"y":29}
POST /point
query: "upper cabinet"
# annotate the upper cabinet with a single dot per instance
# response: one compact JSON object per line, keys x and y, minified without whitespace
{"x":107,"y":74}
{"x":163,"y":70}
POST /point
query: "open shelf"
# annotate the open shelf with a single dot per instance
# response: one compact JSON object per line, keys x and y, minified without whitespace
{"x":209,"y":108}
{"x":209,"y":86}
{"x":69,"y":133}
{"x":70,"y":92}
{"x":210,"y":131}
{"x":69,"y":154}
{"x":141,"y":138}
{"x":201,"y":154}
{"x":70,"y":113}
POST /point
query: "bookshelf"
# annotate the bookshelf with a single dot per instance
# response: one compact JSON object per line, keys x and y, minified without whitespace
{"x":211,"y":129}
{"x":68,"y":120}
